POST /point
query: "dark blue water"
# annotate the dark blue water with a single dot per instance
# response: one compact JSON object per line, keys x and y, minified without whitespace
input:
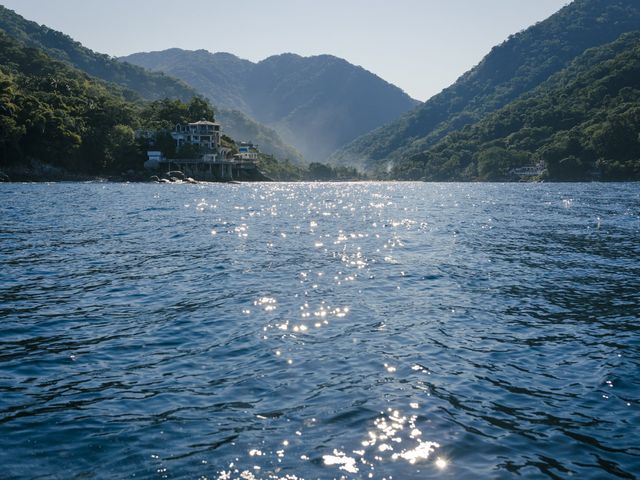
{"x":319,"y":331}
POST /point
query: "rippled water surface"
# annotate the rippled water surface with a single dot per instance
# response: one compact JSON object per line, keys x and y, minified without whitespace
{"x":319,"y":331}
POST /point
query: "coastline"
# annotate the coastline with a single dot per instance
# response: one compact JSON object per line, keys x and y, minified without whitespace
{"x":43,"y":175}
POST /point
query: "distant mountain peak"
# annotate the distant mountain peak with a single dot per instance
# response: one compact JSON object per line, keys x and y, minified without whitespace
{"x":316,"y":103}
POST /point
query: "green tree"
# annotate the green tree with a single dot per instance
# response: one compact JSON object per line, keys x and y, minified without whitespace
{"x":200,"y":109}
{"x":122,"y":153}
{"x":495,"y":163}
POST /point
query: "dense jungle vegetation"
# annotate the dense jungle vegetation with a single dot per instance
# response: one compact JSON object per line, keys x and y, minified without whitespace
{"x":583,"y":123}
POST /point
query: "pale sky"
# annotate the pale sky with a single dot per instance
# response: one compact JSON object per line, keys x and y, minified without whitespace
{"x":421,"y":46}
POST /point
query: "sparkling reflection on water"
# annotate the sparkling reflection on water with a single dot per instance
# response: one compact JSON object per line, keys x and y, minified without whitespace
{"x":303,"y":331}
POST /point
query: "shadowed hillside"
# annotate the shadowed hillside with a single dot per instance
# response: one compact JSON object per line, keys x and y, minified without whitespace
{"x":511,"y":69}
{"x":583,"y":123}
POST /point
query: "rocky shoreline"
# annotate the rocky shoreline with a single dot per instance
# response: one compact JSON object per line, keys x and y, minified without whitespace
{"x":45,"y":173}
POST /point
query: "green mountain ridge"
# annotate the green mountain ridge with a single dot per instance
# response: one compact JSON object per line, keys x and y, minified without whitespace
{"x":510,"y":70}
{"x":217,"y":75}
{"x":138,"y":82}
{"x":59,"y":115}
{"x":317,"y":104}
{"x":583,"y":123}
{"x":59,"y":46}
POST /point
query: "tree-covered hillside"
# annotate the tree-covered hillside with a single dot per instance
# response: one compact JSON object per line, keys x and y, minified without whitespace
{"x":219,"y":76}
{"x":57,"y":121}
{"x":511,"y":69}
{"x":56,"y":114}
{"x":146,"y":84}
{"x":583,"y":123}
{"x":317,"y":104}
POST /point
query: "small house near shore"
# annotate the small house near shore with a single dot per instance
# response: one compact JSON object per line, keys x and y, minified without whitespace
{"x":529,"y":170}
{"x":247,"y":152}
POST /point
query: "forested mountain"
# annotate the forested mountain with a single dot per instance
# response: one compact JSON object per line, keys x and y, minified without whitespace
{"x":219,"y":76}
{"x":584,"y":123}
{"x":54,"y":113}
{"x":317,"y":104}
{"x":511,"y":69}
{"x":146,"y":84}
{"x":57,"y":122}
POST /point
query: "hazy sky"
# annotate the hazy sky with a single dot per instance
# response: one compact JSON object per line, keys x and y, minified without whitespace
{"x":422,"y":46}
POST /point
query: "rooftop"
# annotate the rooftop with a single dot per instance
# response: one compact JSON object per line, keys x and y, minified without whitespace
{"x":203,"y":122}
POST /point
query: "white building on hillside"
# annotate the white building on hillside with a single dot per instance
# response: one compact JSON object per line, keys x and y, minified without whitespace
{"x":204,"y":134}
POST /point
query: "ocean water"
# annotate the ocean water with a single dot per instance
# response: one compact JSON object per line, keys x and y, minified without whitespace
{"x":319,"y":331}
